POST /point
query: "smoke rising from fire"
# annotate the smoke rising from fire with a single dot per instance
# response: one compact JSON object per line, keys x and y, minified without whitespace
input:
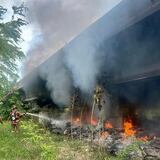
{"x":58,"y":80}
{"x":59,"y":21}
{"x":81,"y":61}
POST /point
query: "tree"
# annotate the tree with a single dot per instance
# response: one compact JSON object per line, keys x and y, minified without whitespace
{"x":10,"y":52}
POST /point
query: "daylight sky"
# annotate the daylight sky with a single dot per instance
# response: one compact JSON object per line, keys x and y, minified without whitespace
{"x":53,"y":23}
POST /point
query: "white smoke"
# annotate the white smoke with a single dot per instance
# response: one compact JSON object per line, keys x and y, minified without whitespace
{"x":81,"y":61}
{"x":58,"y":80}
{"x":59,"y":21}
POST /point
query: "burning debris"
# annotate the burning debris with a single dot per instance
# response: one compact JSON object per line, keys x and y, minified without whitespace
{"x":89,"y":123}
{"x":111,"y":139}
{"x":129,"y":128}
{"x":124,"y":93}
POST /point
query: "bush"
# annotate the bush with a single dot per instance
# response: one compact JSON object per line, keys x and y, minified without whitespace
{"x":7,"y":104}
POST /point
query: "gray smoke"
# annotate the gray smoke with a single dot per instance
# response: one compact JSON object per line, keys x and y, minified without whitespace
{"x":82,"y":60}
{"x":59,"y":21}
{"x":58,"y":80}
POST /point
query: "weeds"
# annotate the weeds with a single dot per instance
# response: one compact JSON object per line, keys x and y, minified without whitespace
{"x":36,"y":143}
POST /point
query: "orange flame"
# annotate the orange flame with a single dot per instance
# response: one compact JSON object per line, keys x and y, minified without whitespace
{"x":76,"y":121}
{"x":104,"y":135}
{"x":94,"y":122}
{"x":84,"y":120}
{"x":108,"y":125}
{"x":128,"y":128}
{"x":144,"y":139}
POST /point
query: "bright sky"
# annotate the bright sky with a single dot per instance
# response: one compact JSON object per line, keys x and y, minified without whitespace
{"x":28,"y":32}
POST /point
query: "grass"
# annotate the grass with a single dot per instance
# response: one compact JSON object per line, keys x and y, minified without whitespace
{"x":36,"y":143}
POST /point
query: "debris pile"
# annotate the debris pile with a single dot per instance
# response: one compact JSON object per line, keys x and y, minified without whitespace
{"x":112,"y":140}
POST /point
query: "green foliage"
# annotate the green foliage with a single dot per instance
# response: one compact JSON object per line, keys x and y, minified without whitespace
{"x":2,"y":12}
{"x":21,"y":10}
{"x":12,"y":99}
{"x":35,"y":143}
{"x":10,"y":52}
{"x":28,"y":144}
{"x":40,"y":138}
{"x":133,"y":147}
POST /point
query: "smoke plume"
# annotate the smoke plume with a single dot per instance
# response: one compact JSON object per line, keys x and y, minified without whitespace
{"x":58,"y":80}
{"x":82,"y":61}
{"x":58,"y":22}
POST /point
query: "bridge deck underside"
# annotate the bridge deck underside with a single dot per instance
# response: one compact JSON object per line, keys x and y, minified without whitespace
{"x":134,"y":53}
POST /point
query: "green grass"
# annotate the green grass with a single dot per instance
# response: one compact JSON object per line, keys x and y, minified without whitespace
{"x":28,"y":144}
{"x":35,"y":143}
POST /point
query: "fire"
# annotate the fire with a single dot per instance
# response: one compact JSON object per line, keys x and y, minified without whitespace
{"x":108,"y":125}
{"x":84,"y":120}
{"x":144,"y":139}
{"x":94,"y":122}
{"x":76,"y":121}
{"x":128,"y":127}
{"x":104,"y":135}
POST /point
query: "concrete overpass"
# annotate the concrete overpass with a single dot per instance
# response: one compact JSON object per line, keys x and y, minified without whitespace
{"x":128,"y":36}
